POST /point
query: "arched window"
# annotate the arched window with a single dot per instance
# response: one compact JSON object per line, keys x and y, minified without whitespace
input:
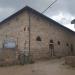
{"x":38,"y":38}
{"x":51,"y":41}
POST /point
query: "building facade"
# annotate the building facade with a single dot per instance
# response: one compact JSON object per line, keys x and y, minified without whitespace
{"x":36,"y":34}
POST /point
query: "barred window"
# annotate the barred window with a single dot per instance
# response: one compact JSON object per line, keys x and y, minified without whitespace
{"x":51,"y":41}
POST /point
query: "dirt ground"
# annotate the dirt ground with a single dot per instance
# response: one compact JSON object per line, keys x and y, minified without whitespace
{"x":48,"y":67}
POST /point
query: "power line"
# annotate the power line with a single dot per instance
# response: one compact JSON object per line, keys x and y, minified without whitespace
{"x":49,"y":6}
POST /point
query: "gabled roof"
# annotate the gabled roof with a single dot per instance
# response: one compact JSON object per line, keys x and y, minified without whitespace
{"x":38,"y":13}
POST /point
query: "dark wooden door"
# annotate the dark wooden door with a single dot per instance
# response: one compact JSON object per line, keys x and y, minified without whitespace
{"x":72,"y":50}
{"x":51,"y":49}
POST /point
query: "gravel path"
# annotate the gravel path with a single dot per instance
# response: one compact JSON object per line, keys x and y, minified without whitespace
{"x":48,"y":67}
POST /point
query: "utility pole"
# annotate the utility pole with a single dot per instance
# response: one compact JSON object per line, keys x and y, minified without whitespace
{"x":29,"y":28}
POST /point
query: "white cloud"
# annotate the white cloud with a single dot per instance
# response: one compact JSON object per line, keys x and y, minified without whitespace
{"x":39,"y":5}
{"x":5,"y":12}
{"x":64,"y":19}
{"x":62,"y":11}
{"x":7,"y":9}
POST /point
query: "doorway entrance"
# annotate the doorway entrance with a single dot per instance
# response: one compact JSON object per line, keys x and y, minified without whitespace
{"x":72,"y":50}
{"x":51,"y":48}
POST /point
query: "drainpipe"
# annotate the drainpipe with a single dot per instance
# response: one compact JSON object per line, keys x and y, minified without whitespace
{"x":29,"y":31}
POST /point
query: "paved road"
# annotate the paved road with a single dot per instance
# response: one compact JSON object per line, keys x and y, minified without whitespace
{"x":48,"y":67}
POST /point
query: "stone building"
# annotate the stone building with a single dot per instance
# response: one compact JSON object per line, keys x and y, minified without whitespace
{"x":35,"y":34}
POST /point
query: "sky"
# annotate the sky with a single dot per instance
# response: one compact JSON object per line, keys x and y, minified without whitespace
{"x":62,"y":11}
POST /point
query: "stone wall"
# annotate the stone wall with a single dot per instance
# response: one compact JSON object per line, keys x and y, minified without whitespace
{"x":48,"y":31}
{"x":15,"y":28}
{"x":18,"y":28}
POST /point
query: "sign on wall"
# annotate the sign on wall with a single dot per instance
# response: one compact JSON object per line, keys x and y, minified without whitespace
{"x":9,"y":43}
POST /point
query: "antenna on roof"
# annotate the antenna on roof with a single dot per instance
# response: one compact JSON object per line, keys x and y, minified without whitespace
{"x":73,"y":22}
{"x":49,"y":6}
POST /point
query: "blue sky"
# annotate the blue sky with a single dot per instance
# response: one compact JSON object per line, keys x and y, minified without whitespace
{"x":62,"y":11}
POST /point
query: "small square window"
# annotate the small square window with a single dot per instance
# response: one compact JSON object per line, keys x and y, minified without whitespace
{"x":58,"y":42}
{"x":67,"y":44}
{"x":24,"y":28}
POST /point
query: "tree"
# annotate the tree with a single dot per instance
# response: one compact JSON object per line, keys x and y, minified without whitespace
{"x":73,"y":22}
